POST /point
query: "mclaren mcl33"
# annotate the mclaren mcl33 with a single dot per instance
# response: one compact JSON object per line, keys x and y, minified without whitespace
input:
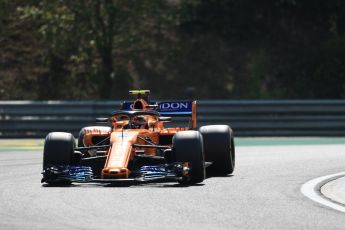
{"x":136,"y":144}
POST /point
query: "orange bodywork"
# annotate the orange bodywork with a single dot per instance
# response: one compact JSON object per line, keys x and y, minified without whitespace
{"x":121,"y":152}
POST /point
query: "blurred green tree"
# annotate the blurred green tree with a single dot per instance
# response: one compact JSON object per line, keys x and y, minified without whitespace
{"x":92,"y":49}
{"x":93,"y":44}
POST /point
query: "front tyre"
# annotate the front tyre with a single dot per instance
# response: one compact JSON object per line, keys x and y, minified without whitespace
{"x":188,"y":147}
{"x":58,"y":149}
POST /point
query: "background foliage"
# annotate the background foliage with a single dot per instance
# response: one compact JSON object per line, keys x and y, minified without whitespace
{"x":98,"y":49}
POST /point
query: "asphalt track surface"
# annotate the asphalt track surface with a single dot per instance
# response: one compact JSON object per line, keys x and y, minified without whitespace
{"x":263,"y":193}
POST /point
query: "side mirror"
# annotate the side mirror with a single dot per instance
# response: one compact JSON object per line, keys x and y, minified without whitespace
{"x":102,"y":120}
{"x":164,"y":119}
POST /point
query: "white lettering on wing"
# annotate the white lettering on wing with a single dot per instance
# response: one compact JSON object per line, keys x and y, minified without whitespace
{"x":173,"y":105}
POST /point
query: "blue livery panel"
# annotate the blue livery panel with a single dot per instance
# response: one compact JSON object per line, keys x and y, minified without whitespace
{"x":127,"y":106}
{"x":173,"y":108}
{"x":176,"y":108}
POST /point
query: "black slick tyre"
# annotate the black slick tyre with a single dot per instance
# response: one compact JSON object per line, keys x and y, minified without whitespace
{"x":219,"y":148}
{"x":58,"y":149}
{"x":188,"y":147}
{"x":81,"y":138}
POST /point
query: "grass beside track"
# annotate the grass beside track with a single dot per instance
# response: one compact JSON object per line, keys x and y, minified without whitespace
{"x":37,"y":144}
{"x":21,"y":144}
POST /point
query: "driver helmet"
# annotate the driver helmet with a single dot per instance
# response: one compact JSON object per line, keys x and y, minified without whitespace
{"x":139,"y":121}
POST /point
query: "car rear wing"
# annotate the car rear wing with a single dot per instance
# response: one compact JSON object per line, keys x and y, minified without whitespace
{"x":171,"y":109}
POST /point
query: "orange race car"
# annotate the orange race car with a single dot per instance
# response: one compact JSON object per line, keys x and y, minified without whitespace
{"x":138,"y":146}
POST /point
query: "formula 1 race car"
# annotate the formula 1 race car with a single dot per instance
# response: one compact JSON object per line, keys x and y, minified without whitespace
{"x":136,"y":146}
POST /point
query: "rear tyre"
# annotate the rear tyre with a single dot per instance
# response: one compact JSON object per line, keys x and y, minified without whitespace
{"x":188,"y":147}
{"x":58,"y":149}
{"x":81,"y":138}
{"x":219,"y":148}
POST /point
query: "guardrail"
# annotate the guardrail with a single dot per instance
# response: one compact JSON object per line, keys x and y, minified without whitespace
{"x":246,"y":117}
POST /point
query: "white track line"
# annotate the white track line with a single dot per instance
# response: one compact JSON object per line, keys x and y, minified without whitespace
{"x":311,"y":189}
